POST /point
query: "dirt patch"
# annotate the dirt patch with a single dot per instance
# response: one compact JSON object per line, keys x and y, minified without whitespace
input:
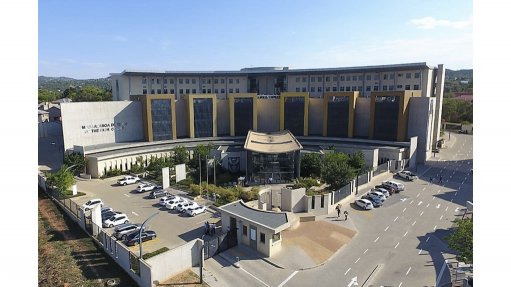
{"x":319,"y":239}
{"x":67,"y":256}
{"x":184,"y":279}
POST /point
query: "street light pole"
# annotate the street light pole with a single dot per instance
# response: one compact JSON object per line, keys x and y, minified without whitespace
{"x":207,"y":178}
{"x":200,"y":176}
{"x":140,"y":232}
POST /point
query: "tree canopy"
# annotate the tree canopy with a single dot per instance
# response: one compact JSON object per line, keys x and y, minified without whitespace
{"x":457,"y":110}
{"x":76,"y":160}
{"x":336,"y":170}
{"x":461,"y":240}
{"x":310,"y":165}
{"x":62,"y":179}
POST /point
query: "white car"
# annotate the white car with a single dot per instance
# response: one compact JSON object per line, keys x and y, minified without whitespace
{"x":196,"y":210}
{"x":172,"y":204}
{"x":128,"y":179}
{"x":184,"y":206}
{"x":145,"y":186}
{"x":115,"y":220}
{"x":91,"y":203}
{"x":396,"y":185}
{"x":364,"y":203}
{"x":374,"y":194}
{"x":408,"y":175}
{"x":382,"y":190}
{"x":166,"y":199}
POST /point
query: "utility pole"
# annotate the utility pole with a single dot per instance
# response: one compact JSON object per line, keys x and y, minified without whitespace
{"x":200,"y":176}
{"x":214,"y":170}
{"x":142,"y":229}
{"x":207,"y":178}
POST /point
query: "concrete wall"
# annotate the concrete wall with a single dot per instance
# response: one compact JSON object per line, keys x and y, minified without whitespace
{"x":223,"y":128}
{"x":293,"y":200}
{"x":268,"y":115}
{"x":317,"y":209}
{"x":174,"y":261}
{"x":91,"y":123}
{"x":362,"y":117}
{"x":391,"y":154}
{"x":420,"y":124}
{"x":181,"y":119}
{"x":315,"y":117}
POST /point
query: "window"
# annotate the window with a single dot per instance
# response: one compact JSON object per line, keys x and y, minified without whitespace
{"x":193,"y":81}
{"x":180,"y":81}
{"x":165,"y":91}
{"x":368,"y":77}
{"x":171,"y":91}
{"x":157,"y":81}
{"x":216,"y":81}
{"x":354,"y":88}
{"x":204,"y":81}
{"x":385,"y":76}
{"x":152,"y":81}
{"x":237,"y":81}
{"x":334,"y":89}
{"x":342,"y":78}
{"x":230,"y":91}
{"x":313,"y":79}
{"x":335,"y":79}
{"x":245,"y":229}
{"x":187,"y":91}
{"x":320,"y":79}
{"x":263,"y":238}
{"x":313,"y":89}
{"x":384,"y":87}
{"x":368,"y":88}
{"x":417,"y":75}
{"x":194,"y":91}
{"x":348,"y":78}
{"x":304,"y":79}
{"x":415,"y":87}
{"x":209,"y":91}
{"x":327,"y":79}
{"x":360,"y":88}
{"x":180,"y":91}
{"x":328,"y":89}
{"x":230,"y":81}
{"x":408,"y":75}
{"x":377,"y":77}
{"x":144,"y":81}
{"x":391,"y":87}
{"x":320,"y":89}
{"x":399,"y":75}
{"x":144,"y":91}
{"x":223,"y":91}
{"x":216,"y":91}
{"x":187,"y":81}
{"x":159,"y":91}
{"x":341,"y":89}
{"x":171,"y":81}
{"x":297,"y":89}
{"x":203,"y":91}
{"x":399,"y":86}
{"x":391,"y":76}
{"x":222,"y":81}
{"x":407,"y":87}
{"x":276,"y":237}
{"x":152,"y":91}
{"x":347,"y":89}
{"x":375,"y":88}
{"x":164,"y":81}
{"x":360,"y":78}
{"x":304,"y":89}
{"x":298,"y":79}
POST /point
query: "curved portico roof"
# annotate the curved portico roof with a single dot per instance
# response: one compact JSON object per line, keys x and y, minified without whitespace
{"x":277,"y":142}
{"x":276,"y":221}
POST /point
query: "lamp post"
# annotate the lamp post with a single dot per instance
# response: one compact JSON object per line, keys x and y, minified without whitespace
{"x":140,"y":232}
{"x":207,"y":178}
{"x":200,"y":177}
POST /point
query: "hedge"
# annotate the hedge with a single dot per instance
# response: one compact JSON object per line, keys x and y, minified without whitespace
{"x":154,"y":253}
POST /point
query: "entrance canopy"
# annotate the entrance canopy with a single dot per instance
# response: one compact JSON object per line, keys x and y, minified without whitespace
{"x":272,"y":143}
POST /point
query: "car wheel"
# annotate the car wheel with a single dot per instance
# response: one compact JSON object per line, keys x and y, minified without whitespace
{"x":135,"y":243}
{"x":111,"y":225}
{"x":125,"y":184}
{"x":126,"y":222}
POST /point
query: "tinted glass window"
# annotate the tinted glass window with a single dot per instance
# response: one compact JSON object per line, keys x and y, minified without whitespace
{"x":203,"y":117}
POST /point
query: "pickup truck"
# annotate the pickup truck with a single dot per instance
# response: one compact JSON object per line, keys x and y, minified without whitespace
{"x":128,"y":180}
{"x":146,"y":186}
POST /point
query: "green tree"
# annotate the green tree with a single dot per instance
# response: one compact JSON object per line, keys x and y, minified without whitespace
{"x":75,"y":159}
{"x":310,"y":165}
{"x":180,"y":155}
{"x":357,"y":161}
{"x":47,"y":95}
{"x":461,"y":240}
{"x":457,"y":110}
{"x":138,"y":167}
{"x":61,"y":180}
{"x":336,"y":170}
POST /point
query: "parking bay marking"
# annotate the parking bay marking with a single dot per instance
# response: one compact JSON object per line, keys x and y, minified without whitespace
{"x":134,"y":213}
{"x":394,"y":248}
{"x":366,"y":251}
{"x":287,"y":279}
{"x":422,"y":212}
{"x":126,"y":195}
{"x":347,"y":271}
{"x":377,"y":239}
{"x":387,"y":228}
{"x":357,"y":260}
{"x":410,"y":268}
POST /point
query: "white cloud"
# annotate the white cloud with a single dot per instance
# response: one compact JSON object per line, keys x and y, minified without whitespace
{"x":431,"y":23}
{"x":119,"y":38}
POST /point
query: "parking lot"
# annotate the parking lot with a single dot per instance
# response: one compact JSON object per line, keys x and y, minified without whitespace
{"x":172,"y":228}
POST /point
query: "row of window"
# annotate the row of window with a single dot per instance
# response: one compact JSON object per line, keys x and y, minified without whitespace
{"x":356,"y":88}
{"x":187,"y":91}
{"x":192,"y":81}
{"x":356,"y":78}
{"x":262,"y":236}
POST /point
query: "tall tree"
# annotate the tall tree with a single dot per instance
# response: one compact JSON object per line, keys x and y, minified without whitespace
{"x":461,"y":240}
{"x":310,"y":165}
{"x":62,"y":179}
{"x":336,"y":170}
{"x":180,"y":155}
{"x":47,"y":96}
{"x":76,"y":160}
{"x":357,"y":161}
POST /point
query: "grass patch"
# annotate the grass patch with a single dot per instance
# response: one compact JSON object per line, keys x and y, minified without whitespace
{"x":69,"y":194}
{"x":186,"y":278}
{"x":154,"y":253}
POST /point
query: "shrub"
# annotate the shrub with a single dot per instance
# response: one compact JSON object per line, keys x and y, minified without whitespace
{"x":306,"y":182}
{"x":250,"y":195}
{"x":113,"y":172}
{"x":154,"y":253}
{"x":186,"y":182}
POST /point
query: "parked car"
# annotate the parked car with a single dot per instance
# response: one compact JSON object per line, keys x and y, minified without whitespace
{"x":172,"y":204}
{"x":133,"y":238}
{"x":91,"y":203}
{"x":185,"y":206}
{"x":180,"y":205}
{"x":107,"y":214}
{"x":115,"y":220}
{"x":121,"y":231}
{"x":128,"y":179}
{"x":396,"y":185}
{"x":364,"y":203}
{"x":376,"y":194}
{"x":145,"y":186}
{"x":376,"y":201}
{"x":408,"y":175}
{"x":196,"y":210}
{"x":382,"y":190}
{"x":158,"y":193}
{"x":391,"y":190}
{"x":166,"y":199}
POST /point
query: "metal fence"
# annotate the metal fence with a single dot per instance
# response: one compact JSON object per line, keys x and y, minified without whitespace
{"x":342,"y":192}
{"x":381,"y":169}
{"x":220,"y":243}
{"x":362,"y":179}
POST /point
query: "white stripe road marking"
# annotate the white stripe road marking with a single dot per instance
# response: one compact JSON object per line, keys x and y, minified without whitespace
{"x":438,"y":205}
{"x":424,"y":189}
{"x":387,"y":228}
{"x":418,"y":194}
{"x":288,"y":278}
{"x":357,"y":260}
{"x":441,"y":272}
{"x":134,"y":213}
{"x":427,"y":239}
{"x":377,"y":239}
{"x":427,"y":205}
{"x":405,"y":234}
{"x":400,"y":284}
{"x":366,"y":251}
{"x":451,"y":199}
{"x":414,"y":222}
{"x":420,"y":202}
{"x":410,"y":268}
{"x":456,"y":210}
{"x":394,"y":248}
{"x":411,"y":202}
{"x":420,"y":252}
{"x":434,"y":228}
{"x":446,"y":208}
{"x":422,"y":212}
{"x":281,"y":284}
{"x":441,"y":217}
{"x":456,"y":193}
{"x":126,"y":195}
{"x":404,"y":209}
{"x":347,"y":271}
{"x":395,"y":219}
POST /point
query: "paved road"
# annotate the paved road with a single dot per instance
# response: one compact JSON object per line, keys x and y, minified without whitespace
{"x":401,"y":240}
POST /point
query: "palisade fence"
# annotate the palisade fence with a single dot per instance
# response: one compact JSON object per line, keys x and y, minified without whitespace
{"x":384,"y":167}
{"x":342,"y":192}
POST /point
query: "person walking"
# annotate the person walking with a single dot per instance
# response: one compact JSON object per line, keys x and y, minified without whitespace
{"x":430,"y":179}
{"x":206,"y":227}
{"x":440,"y":179}
{"x":345,"y":215}
{"x":338,"y":208}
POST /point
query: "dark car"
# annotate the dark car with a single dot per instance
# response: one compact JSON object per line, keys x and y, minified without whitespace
{"x":106,"y":215}
{"x":391,"y":190}
{"x":122,"y":231}
{"x":376,"y":201}
{"x":158,"y":193}
{"x":133,"y":239}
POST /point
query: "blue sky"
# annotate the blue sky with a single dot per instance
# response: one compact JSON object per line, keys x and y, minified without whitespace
{"x":90,"y":39}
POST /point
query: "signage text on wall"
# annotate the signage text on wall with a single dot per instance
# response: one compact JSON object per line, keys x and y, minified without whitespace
{"x":103,"y":127}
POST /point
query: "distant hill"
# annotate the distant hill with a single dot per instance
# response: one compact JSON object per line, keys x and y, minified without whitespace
{"x":59,"y":84}
{"x":459,"y":74}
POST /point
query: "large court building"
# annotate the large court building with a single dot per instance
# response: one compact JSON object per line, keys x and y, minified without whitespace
{"x":395,"y":109}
